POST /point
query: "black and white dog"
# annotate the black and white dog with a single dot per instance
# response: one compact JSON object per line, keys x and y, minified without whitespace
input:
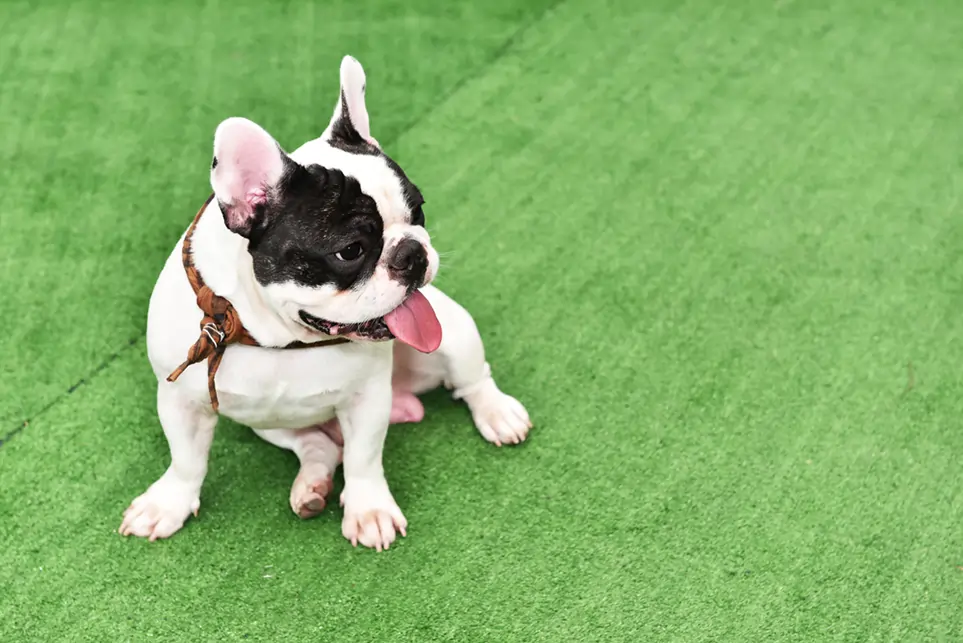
{"x":326,"y":241}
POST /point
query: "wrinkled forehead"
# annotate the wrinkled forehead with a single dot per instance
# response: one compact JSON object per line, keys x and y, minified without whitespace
{"x":379,"y":176}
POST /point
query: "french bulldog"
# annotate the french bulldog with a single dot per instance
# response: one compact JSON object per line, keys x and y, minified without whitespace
{"x":327,"y":241}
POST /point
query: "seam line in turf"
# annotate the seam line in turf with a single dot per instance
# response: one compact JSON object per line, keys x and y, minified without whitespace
{"x":73,"y":387}
{"x":497,"y":55}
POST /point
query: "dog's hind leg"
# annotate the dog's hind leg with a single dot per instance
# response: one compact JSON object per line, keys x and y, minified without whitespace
{"x":459,"y":364}
{"x":319,"y":451}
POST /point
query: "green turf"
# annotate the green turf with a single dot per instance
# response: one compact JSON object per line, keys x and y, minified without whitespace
{"x":715,"y":248}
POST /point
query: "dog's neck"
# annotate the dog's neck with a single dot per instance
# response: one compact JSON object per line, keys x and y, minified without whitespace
{"x":226,"y":266}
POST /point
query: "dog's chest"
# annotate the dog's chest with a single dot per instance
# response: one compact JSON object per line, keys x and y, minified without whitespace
{"x":259,"y":387}
{"x":288,"y":389}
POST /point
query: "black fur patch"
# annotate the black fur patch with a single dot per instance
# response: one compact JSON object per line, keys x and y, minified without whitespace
{"x":418,"y":216}
{"x":345,"y":137}
{"x":310,"y":216}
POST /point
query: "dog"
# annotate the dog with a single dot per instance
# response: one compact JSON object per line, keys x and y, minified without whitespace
{"x":327,"y":242}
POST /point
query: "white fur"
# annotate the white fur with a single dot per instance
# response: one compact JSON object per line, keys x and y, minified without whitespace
{"x":285,"y":395}
{"x":353,"y":89}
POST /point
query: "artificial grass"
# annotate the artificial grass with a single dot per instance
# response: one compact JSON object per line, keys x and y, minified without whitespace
{"x":713,"y":248}
{"x":107,"y":117}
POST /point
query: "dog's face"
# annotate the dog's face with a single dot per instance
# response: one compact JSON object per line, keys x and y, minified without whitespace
{"x":335,"y":230}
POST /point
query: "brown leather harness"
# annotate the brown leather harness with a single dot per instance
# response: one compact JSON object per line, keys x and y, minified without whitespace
{"x":221,"y":325}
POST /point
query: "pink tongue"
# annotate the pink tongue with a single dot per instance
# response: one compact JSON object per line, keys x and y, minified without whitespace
{"x":415,"y":324}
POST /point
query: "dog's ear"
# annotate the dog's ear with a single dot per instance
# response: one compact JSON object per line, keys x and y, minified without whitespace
{"x":248,"y":163}
{"x":350,"y":120}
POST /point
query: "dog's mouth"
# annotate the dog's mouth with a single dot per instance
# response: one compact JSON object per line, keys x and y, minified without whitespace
{"x":373,"y":330}
{"x":413,"y":322}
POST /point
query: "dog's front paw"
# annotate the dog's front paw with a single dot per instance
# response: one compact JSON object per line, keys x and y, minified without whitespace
{"x":500,"y":418}
{"x":161,"y":510}
{"x":371,"y":515}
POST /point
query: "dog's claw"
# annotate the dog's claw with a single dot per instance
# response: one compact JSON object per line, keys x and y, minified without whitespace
{"x":161,"y":510}
{"x":500,"y":418}
{"x":371,"y":516}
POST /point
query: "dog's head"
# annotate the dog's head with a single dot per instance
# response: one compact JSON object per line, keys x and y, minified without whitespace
{"x":335,"y":229}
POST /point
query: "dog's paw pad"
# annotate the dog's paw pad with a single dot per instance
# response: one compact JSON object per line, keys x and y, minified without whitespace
{"x":309,"y":495}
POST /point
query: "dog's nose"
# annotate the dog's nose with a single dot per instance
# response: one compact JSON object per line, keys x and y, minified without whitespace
{"x":409,"y":261}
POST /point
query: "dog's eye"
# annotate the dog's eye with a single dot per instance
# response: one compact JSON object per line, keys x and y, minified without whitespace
{"x":350,"y":252}
{"x":418,"y":216}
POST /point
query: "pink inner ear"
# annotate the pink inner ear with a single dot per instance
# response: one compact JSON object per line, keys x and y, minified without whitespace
{"x":250,"y":163}
{"x":255,"y":197}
